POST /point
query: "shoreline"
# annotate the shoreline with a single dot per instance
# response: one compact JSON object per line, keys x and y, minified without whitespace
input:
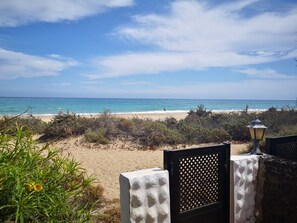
{"x":152,"y":116}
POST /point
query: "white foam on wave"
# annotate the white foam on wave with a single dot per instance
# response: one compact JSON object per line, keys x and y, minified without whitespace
{"x":237,"y":110}
{"x":151,"y":112}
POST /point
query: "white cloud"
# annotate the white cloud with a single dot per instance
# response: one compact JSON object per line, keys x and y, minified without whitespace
{"x":264,"y":73}
{"x":90,"y":82}
{"x":194,"y":35}
{"x":249,"y":89}
{"x":16,"y":64}
{"x":18,"y":12}
{"x":136,"y":83}
{"x":193,"y":26}
{"x":152,"y":63}
{"x":63,"y":84}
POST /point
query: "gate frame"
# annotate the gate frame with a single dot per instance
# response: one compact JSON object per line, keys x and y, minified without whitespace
{"x":169,"y":156}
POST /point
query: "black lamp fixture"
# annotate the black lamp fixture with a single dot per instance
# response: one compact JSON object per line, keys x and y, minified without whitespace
{"x":257,"y":131}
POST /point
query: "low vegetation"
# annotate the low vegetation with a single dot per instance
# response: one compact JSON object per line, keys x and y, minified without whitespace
{"x":200,"y":126}
{"x":39,"y":185}
{"x":34,"y":125}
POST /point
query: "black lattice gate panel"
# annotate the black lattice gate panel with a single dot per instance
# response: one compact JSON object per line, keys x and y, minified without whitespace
{"x":198,"y":181}
{"x":199,"y":184}
{"x":283,"y":147}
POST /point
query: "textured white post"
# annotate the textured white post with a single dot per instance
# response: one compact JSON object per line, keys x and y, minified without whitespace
{"x":145,"y":196}
{"x":243,"y":185}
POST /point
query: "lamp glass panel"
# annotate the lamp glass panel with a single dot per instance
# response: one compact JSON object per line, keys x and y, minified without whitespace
{"x":259,"y":133}
{"x":252,"y":133}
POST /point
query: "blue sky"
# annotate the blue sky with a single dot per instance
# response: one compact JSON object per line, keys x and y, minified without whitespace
{"x":237,"y":49}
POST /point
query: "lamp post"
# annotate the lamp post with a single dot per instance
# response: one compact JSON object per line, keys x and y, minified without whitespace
{"x":257,"y":131}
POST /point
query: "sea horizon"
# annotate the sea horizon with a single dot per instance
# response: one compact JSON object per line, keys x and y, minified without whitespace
{"x":91,"y":106}
{"x":149,"y":98}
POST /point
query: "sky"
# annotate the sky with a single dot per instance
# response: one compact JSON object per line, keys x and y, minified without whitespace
{"x":212,"y":49}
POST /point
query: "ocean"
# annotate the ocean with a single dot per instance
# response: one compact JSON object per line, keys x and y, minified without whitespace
{"x":51,"y":106}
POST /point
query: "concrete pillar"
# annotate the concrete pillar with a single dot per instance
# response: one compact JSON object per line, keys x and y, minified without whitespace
{"x":243,"y":185}
{"x":145,"y":196}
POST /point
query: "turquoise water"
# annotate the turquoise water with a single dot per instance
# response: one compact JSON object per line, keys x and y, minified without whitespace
{"x":45,"y":106}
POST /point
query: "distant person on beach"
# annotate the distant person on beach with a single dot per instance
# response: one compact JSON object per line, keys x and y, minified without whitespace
{"x":164,"y":109}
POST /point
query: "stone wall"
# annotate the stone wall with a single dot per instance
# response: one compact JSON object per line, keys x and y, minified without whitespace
{"x":243,"y":185}
{"x":277,"y":190}
{"x":145,"y":196}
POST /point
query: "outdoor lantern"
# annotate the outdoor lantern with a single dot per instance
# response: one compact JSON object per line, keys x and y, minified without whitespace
{"x":257,"y":131}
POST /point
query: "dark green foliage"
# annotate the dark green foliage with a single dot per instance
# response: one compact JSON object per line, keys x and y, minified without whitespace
{"x":192,"y":133}
{"x":200,"y":111}
{"x":9,"y":125}
{"x":65,"y":125}
{"x":230,"y":126}
{"x":109,"y":123}
{"x":237,"y":128}
{"x":288,"y":130}
{"x":195,"y":133}
{"x":218,"y":135}
{"x":171,"y":123}
{"x":127,"y":127}
{"x":156,"y":134}
{"x":280,"y":122}
{"x":96,"y":136}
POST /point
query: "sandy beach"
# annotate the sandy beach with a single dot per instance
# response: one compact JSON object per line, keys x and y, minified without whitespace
{"x":162,"y":115}
{"x":153,"y":116}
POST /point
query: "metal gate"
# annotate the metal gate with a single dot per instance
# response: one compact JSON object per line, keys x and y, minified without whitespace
{"x":284,"y":147}
{"x":199,"y":184}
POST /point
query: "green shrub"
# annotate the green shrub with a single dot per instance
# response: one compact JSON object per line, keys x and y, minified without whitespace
{"x":110,"y":124}
{"x":200,"y":111}
{"x":156,"y":134}
{"x":38,"y":185}
{"x":238,"y":130}
{"x":65,"y":125}
{"x":127,"y":127}
{"x":96,"y":136}
{"x":197,"y":134}
{"x":171,"y":123}
{"x":218,"y":135}
{"x":9,"y":124}
{"x":288,"y":130}
{"x":190,"y":132}
{"x":279,"y":121}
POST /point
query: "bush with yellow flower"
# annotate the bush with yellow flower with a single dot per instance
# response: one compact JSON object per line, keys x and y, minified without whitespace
{"x":39,"y":185}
